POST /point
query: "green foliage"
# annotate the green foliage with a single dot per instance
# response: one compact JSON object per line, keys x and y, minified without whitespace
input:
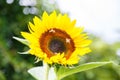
{"x":52,"y":73}
{"x":63,"y":71}
{"x":14,"y":66}
{"x":22,"y":40}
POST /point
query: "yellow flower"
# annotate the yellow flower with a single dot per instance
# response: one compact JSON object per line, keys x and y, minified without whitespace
{"x":56,"y":40}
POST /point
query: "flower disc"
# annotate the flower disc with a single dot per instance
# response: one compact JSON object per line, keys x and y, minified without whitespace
{"x":56,"y":39}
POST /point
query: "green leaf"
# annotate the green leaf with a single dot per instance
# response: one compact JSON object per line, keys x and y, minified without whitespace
{"x":64,"y":71}
{"x":26,"y":52}
{"x":39,"y":73}
{"x":21,"y":40}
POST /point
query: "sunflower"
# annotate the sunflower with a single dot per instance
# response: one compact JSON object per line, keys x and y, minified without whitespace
{"x":56,"y":40}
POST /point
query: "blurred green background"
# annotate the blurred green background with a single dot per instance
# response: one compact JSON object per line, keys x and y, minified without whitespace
{"x":14,"y":18}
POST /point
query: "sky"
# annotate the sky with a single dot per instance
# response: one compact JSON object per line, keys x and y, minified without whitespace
{"x":100,"y":17}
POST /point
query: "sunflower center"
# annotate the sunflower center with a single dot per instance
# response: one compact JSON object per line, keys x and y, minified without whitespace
{"x":55,"y":41}
{"x":57,"y":46}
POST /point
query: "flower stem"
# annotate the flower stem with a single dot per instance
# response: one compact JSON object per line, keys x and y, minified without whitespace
{"x":46,"y":67}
